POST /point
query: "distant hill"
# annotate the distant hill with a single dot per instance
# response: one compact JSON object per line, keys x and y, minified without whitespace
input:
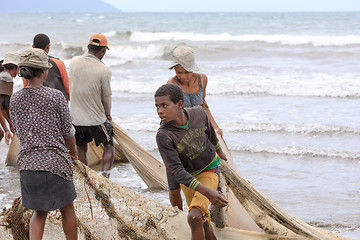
{"x":56,"y":6}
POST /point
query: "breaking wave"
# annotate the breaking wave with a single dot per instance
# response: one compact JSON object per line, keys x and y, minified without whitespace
{"x":297,"y":151}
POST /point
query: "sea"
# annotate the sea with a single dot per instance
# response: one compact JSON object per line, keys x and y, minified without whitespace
{"x":283,"y":87}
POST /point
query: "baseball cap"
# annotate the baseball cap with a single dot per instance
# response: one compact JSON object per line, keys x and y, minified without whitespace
{"x":99,"y":39}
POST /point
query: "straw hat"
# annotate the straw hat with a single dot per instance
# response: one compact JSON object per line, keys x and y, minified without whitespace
{"x":34,"y":58}
{"x":11,"y":57}
{"x":184,"y":56}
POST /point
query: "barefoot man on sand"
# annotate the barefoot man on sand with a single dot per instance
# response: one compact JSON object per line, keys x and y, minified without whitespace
{"x":90,"y":104}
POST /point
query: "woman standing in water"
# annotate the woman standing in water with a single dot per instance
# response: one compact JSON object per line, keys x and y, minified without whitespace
{"x":43,"y":125}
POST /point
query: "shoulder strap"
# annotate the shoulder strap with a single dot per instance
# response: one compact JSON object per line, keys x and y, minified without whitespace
{"x":176,"y":79}
{"x":201,"y":81}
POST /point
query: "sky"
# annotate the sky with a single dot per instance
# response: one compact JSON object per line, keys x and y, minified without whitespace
{"x":236,"y":5}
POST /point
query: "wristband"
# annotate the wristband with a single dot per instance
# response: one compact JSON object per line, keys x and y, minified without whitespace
{"x":217,"y":146}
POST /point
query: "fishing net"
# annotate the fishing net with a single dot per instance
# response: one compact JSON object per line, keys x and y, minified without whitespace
{"x":104,"y":210}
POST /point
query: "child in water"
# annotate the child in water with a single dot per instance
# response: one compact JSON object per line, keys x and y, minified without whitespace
{"x":191,"y":152}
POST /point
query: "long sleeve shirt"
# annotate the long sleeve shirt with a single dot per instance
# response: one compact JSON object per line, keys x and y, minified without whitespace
{"x":186,"y":152}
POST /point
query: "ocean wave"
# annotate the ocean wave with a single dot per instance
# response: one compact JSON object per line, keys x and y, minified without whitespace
{"x":331,"y":40}
{"x":139,"y":124}
{"x":296,"y":151}
{"x":327,"y":86}
{"x":119,"y":53}
{"x":315,"y":85}
{"x":304,"y":128}
{"x":331,"y":93}
{"x":336,"y":227}
{"x":130,"y":52}
{"x":147,"y":124}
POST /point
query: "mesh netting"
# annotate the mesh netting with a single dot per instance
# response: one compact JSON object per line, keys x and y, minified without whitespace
{"x":104,"y":210}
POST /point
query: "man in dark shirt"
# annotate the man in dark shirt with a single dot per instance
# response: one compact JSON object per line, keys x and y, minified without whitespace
{"x":57,"y":77}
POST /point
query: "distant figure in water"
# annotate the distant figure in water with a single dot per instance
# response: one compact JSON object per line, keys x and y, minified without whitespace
{"x":42,"y":122}
{"x":191,"y":152}
{"x":193,"y":85}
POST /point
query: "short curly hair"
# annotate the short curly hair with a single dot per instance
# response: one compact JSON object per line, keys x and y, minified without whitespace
{"x":172,"y":90}
{"x":41,"y":40}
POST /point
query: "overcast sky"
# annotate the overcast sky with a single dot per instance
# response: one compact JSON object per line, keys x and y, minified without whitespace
{"x":236,"y":5}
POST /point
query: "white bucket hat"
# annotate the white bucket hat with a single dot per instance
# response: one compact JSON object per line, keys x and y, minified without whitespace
{"x":11,"y":57}
{"x":184,"y":56}
{"x":35,"y":58}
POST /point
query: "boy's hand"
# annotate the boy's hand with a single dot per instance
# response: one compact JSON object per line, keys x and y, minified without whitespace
{"x":8,"y":137}
{"x":221,"y":154}
{"x":217,"y":199}
{"x":219,"y":131}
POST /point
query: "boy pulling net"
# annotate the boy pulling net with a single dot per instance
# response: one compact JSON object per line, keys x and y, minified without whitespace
{"x":191,"y":152}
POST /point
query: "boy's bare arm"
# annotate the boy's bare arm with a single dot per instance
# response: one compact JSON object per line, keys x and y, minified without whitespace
{"x":215,"y":197}
{"x":221,"y":154}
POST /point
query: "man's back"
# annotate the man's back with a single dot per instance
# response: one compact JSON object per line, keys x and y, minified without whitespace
{"x":57,"y":77}
{"x":89,"y":81}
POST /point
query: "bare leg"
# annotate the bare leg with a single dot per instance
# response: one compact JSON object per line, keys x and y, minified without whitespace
{"x":209,"y":233}
{"x":175,"y":198}
{"x":81,"y":151}
{"x":1,"y":134}
{"x":69,"y":221}
{"x":108,"y":157}
{"x":6,"y":115}
{"x":37,"y":224}
{"x":195,"y":221}
{"x":3,"y":124}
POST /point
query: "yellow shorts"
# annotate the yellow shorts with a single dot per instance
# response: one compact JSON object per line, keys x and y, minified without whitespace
{"x":196,"y":199}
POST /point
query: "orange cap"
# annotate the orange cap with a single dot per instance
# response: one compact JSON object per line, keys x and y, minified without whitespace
{"x":99,"y":39}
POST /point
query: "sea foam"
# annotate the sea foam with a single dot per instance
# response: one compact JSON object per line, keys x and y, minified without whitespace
{"x":315,"y":40}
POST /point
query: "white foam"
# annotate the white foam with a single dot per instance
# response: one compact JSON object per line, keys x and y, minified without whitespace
{"x":296,"y":151}
{"x":139,"y":124}
{"x":110,"y":33}
{"x":138,"y":86}
{"x":321,"y":40}
{"x":320,"y":85}
{"x":130,"y":52}
{"x":304,"y":128}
